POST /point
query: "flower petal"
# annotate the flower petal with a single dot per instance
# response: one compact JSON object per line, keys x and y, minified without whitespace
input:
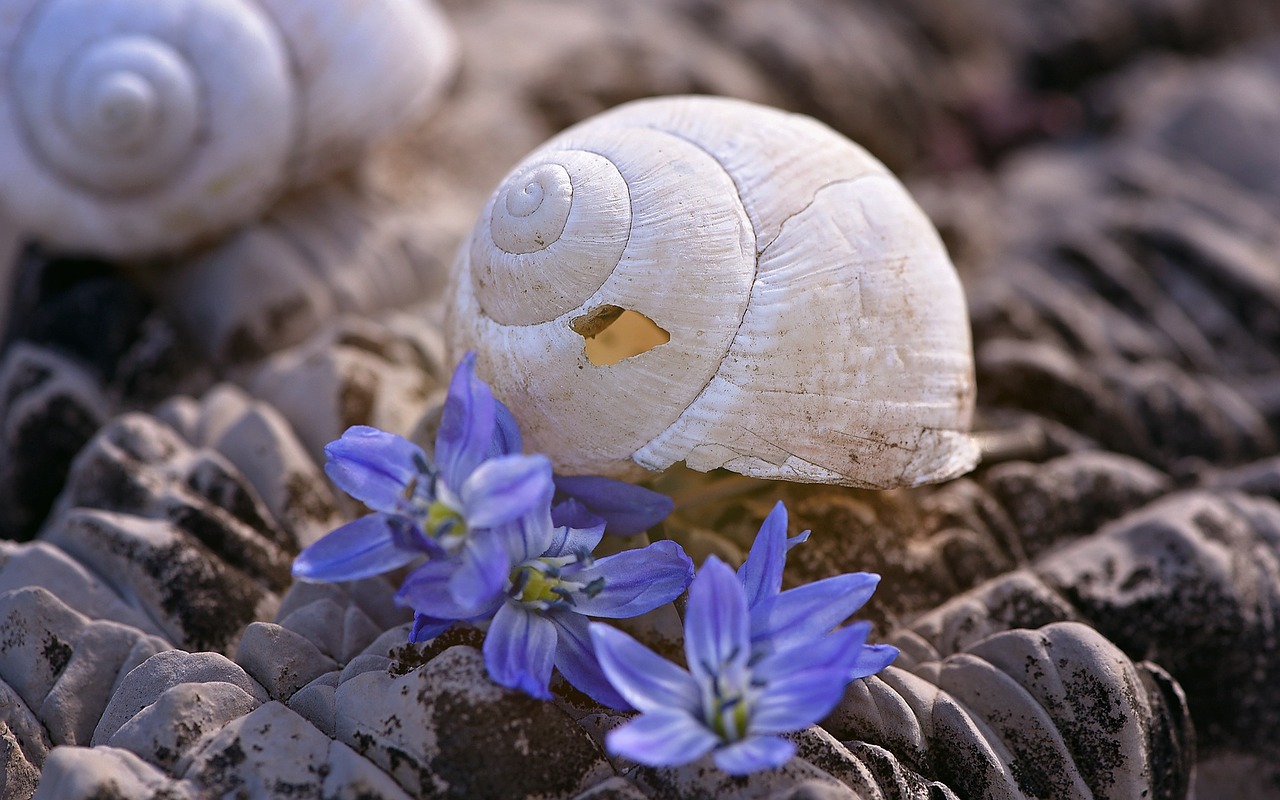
{"x":505,"y":488}
{"x":576,"y":660}
{"x":519,"y":650}
{"x":871,"y":659}
{"x":645,"y":679}
{"x":716,"y":621}
{"x":481,"y":572}
{"x":807,"y":612}
{"x":799,"y":538}
{"x":577,"y":530}
{"x":375,"y":467}
{"x":426,"y":628}
{"x":837,"y":650}
{"x":506,"y":439}
{"x":661,"y":738}
{"x":797,"y":700}
{"x":625,"y":507}
{"x":635,"y":581}
{"x":761,"y":573}
{"x":527,"y":537}
{"x":466,"y":424}
{"x":426,"y":591}
{"x":754,"y":754}
{"x":363,"y":547}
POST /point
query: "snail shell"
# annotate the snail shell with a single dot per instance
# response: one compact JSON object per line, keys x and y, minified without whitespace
{"x":818,"y":331}
{"x":130,"y":127}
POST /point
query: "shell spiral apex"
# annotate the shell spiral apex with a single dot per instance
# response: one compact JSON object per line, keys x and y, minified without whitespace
{"x":806,"y":321}
{"x":130,"y":127}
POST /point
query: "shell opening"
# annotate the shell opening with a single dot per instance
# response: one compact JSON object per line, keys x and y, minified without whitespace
{"x":611,"y":334}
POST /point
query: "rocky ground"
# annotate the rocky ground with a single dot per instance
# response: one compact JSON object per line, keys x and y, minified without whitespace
{"x":1092,"y":613}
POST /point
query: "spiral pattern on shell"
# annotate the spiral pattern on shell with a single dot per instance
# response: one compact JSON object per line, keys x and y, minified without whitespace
{"x":557,"y":227}
{"x":129,"y":110}
{"x":133,"y":127}
{"x":127,"y":118}
{"x":817,"y":330}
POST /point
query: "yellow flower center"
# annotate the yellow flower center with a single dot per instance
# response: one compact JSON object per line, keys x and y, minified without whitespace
{"x":538,"y":586}
{"x":442,"y":519}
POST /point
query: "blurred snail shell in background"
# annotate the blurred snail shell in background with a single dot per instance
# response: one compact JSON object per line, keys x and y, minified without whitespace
{"x":134,"y":127}
{"x":803,"y":319}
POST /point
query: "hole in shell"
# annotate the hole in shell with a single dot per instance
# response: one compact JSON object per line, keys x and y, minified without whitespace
{"x":612,"y":334}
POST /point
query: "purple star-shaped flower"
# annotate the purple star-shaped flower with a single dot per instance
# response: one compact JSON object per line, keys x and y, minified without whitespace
{"x":453,"y":508}
{"x":538,"y":619}
{"x":781,"y":620}
{"x":761,"y":662}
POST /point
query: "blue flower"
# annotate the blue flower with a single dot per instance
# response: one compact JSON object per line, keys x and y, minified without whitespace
{"x":455,"y":508}
{"x":626,"y":508}
{"x":781,"y":620}
{"x":497,"y":554}
{"x":537,"y":618}
{"x":761,"y":662}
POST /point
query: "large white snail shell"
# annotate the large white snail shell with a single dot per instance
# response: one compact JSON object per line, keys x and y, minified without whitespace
{"x":818,"y":329}
{"x":129,"y":127}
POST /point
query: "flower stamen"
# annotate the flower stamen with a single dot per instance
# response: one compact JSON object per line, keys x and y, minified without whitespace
{"x":540,"y":583}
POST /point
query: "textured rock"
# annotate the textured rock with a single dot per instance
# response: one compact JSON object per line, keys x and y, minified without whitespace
{"x":796,"y":779}
{"x":1187,"y":582}
{"x":1190,"y":583}
{"x":614,"y":788}
{"x":1258,"y":478}
{"x":446,"y":730}
{"x":36,"y":632}
{"x":356,"y":372}
{"x":251,"y":296}
{"x":80,"y":307}
{"x":19,"y":777}
{"x":352,"y":777}
{"x":1152,"y":411}
{"x":336,"y":622}
{"x":165,"y":730}
{"x":146,"y":683}
{"x":850,"y":64}
{"x":87,"y":310}
{"x":49,"y":408}
{"x":317,"y":703}
{"x":895,"y":780}
{"x":1213,"y":117}
{"x":1069,"y":497}
{"x":1094,"y":700}
{"x":1055,"y":712}
{"x":41,"y":564}
{"x":334,"y":249}
{"x":24,"y":745}
{"x":393,"y":644}
{"x":606,"y":52}
{"x":372,"y":596}
{"x":269,"y":752}
{"x":10,"y":263}
{"x":933,"y":543}
{"x":138,"y":465}
{"x":281,"y":660}
{"x":101,"y":655}
{"x":179,"y":532}
{"x":259,"y":443}
{"x":82,"y":773}
{"x":819,"y":748}
{"x":195,"y":598}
